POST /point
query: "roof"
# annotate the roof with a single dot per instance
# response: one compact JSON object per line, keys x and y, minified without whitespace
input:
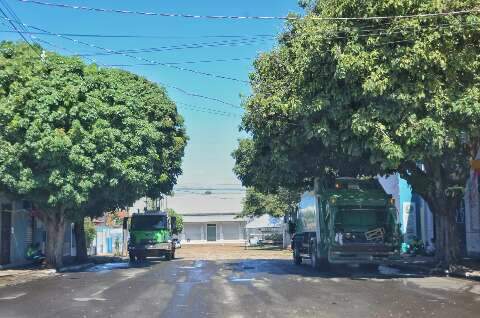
{"x":264,"y":221}
{"x":223,"y":201}
{"x":211,"y":217}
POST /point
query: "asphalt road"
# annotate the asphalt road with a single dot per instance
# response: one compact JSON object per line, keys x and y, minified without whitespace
{"x":248,"y":288}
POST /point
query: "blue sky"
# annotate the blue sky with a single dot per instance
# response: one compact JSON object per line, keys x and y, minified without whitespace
{"x":207,"y":160}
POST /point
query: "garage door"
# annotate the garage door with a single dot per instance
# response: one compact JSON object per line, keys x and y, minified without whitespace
{"x":193,"y":232}
{"x":230,"y":231}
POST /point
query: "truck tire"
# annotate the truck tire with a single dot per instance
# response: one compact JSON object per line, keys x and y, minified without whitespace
{"x":323,"y":263}
{"x":314,"y":261}
{"x":168,"y":256}
{"x":297,"y":259}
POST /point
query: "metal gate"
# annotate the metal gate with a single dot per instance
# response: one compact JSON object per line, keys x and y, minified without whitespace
{"x":5,"y":233}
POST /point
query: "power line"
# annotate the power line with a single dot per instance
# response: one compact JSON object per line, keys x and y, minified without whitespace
{"x":208,"y":110}
{"x":186,"y":62}
{"x":229,"y":43}
{"x":234,"y":17}
{"x":181,"y":90}
{"x":14,"y":27}
{"x":143,"y":36}
{"x":140,"y":58}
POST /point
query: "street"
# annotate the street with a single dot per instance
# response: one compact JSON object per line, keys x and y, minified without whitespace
{"x":262,"y":287}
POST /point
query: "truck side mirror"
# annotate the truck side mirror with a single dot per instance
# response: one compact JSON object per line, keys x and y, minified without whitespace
{"x":174,"y":225}
{"x":125,"y":223}
{"x":291,"y":227}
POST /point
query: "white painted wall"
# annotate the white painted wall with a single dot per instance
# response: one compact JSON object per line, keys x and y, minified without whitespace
{"x":472,"y":215}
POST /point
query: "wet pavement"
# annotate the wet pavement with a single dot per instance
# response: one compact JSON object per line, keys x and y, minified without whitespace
{"x":244,"y":288}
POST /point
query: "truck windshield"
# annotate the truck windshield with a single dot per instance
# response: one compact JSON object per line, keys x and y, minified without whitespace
{"x":360,"y":220}
{"x":149,"y":223}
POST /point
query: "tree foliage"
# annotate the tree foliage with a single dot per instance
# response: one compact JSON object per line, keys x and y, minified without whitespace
{"x":77,"y":138}
{"x":367,"y":97}
{"x":276,"y":204}
{"x":179,"y":217}
{"x":90,"y":231}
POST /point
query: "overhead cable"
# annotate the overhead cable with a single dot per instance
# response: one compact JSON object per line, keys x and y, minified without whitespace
{"x":235,"y":17}
{"x":14,"y":27}
{"x":181,"y":90}
{"x":229,"y":43}
{"x":208,"y":110}
{"x":139,"y":58}
{"x":153,"y":36}
{"x":186,"y":62}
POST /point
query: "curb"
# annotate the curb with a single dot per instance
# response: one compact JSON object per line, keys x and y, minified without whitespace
{"x":75,"y":267}
{"x":432,"y":271}
{"x":464,"y":275}
{"x":16,"y":266}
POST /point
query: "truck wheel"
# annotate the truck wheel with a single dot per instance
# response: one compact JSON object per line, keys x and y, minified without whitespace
{"x":323,"y":263}
{"x":168,"y":256}
{"x":313,"y":256}
{"x":297,"y":259}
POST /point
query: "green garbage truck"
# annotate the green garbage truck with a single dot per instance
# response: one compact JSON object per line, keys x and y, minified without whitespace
{"x":151,"y":235}
{"x":345,"y":221}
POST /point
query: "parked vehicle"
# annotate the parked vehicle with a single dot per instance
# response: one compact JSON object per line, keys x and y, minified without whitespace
{"x":177,"y":243}
{"x":351,"y":221}
{"x":151,"y":235}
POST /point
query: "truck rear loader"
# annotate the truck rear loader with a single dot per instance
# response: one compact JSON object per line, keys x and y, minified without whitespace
{"x":350,"y":221}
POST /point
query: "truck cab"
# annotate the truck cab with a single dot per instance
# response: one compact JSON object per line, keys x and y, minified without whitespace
{"x":150,"y":235}
{"x":352,"y":221}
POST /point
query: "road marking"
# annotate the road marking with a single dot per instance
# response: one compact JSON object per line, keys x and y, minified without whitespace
{"x":242,"y":279}
{"x":89,"y":299}
{"x":13,"y":296}
{"x":100,"y":291}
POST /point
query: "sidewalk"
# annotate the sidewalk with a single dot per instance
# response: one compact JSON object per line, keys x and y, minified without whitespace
{"x":27,"y":273}
{"x":23,"y":275}
{"x":468,"y":268}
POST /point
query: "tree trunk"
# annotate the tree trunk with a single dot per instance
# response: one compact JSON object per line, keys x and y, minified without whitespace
{"x":447,"y":242}
{"x":81,"y":242}
{"x":55,"y":237}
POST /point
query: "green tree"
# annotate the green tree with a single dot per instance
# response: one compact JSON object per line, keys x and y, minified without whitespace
{"x":75,"y":135}
{"x":90,"y":231}
{"x":172,"y":212}
{"x":278,"y":204}
{"x":396,"y":95}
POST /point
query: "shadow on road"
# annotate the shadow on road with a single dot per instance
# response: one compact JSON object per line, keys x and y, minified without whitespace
{"x":260,"y":267}
{"x":111,"y":266}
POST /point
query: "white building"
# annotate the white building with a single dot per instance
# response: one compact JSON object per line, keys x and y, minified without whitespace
{"x":210,"y":215}
{"x":471,"y":215}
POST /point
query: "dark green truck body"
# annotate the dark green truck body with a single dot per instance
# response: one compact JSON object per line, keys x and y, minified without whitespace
{"x":349,"y":222}
{"x":150,"y":235}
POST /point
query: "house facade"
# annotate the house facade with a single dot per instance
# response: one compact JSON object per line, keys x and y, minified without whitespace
{"x":417,"y":220}
{"x":20,"y":228}
{"x":470,"y":212}
{"x":210,"y":216}
{"x":414,"y":215}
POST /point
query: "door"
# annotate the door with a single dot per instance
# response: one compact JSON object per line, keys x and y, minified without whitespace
{"x":211,"y":232}
{"x":5,"y":233}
